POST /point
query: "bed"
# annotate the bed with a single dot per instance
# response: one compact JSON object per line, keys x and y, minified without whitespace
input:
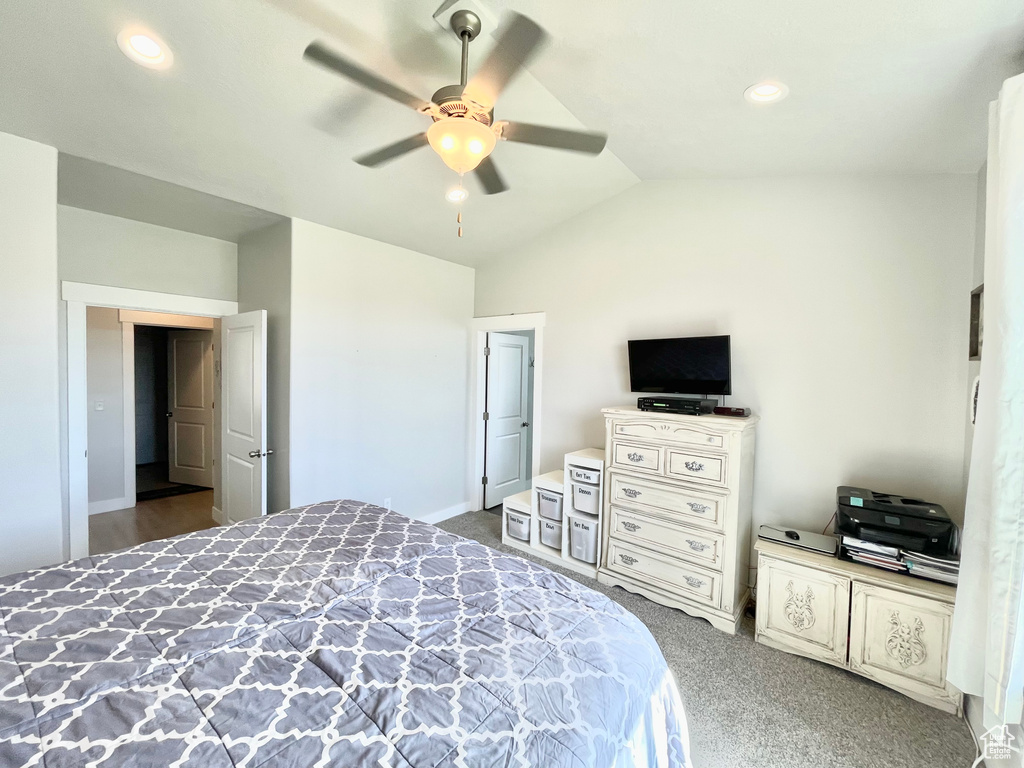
{"x":339,"y":634}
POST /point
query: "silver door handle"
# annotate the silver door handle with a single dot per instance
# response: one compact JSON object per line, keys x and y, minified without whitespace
{"x":254,"y":454}
{"x":169,"y":414}
{"x":257,"y":454}
{"x":526,"y":423}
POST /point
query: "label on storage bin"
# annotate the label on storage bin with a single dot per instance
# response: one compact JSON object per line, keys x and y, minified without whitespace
{"x":584,"y":491}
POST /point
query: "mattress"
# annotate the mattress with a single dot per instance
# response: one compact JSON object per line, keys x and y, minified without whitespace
{"x":339,"y":634}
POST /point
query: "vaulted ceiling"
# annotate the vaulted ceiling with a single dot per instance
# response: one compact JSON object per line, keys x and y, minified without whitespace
{"x":875,"y":87}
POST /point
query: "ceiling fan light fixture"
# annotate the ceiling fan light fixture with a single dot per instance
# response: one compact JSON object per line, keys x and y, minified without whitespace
{"x":462,"y":143}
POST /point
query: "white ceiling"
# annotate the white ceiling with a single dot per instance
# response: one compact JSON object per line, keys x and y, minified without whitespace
{"x":875,"y":86}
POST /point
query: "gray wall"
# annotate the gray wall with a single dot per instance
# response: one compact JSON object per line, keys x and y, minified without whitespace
{"x":30,"y":479}
{"x":105,"y":387}
{"x":845,"y":299}
{"x":379,"y":375}
{"x":264,"y":282}
{"x":150,"y":394}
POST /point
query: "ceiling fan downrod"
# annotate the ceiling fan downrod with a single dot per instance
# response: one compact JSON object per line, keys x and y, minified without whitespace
{"x":466,"y":25}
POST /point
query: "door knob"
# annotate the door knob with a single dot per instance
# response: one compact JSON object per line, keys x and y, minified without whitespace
{"x":254,"y":454}
{"x":169,"y":414}
{"x":526,"y":423}
{"x":268,"y":452}
{"x":257,"y":454}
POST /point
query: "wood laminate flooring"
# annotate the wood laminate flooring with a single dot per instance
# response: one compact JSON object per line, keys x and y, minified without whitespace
{"x":149,"y":521}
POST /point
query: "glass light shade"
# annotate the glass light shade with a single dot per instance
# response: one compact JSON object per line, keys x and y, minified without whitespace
{"x":461,"y":142}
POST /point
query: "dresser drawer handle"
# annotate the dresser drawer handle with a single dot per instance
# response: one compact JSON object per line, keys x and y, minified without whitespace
{"x":698,"y":546}
{"x":693,"y":583}
{"x":630,"y":526}
{"x":700,"y":509}
{"x":636,"y":458}
{"x":628,"y":560}
{"x":694,"y":466}
{"x":632,"y":493}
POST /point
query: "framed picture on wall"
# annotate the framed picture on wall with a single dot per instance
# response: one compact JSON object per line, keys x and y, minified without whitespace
{"x":977,"y":322}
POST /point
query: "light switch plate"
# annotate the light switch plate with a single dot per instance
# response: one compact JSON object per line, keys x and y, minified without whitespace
{"x":99,"y":405}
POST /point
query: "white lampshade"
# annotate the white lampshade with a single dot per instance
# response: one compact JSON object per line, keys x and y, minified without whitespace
{"x":461,"y":142}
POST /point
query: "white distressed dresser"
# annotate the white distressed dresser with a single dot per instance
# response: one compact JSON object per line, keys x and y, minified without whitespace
{"x":889,"y":627}
{"x":677,"y":510}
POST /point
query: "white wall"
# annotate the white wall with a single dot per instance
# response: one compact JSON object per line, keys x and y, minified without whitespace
{"x":845,"y":301}
{"x":104,"y":374}
{"x":30,"y":501}
{"x":264,"y":282}
{"x":108,"y":250}
{"x":379,"y":374}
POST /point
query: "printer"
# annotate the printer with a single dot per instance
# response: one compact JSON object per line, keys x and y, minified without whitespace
{"x":895,"y":521}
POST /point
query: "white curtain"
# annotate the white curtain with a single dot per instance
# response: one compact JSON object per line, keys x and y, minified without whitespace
{"x":987,"y":646}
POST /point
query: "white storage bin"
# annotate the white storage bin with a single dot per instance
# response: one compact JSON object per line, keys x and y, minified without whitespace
{"x":583,"y":539}
{"x":586,"y":498}
{"x":551,"y":533}
{"x":549,"y":504}
{"x":584,"y":475}
{"x":518,"y":525}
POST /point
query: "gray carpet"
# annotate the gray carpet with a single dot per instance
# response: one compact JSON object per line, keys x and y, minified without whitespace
{"x":748,"y":705}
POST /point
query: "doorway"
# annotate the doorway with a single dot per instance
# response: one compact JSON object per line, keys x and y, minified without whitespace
{"x":242,"y":494}
{"x":173,"y":365}
{"x":506,"y":406}
{"x":151,"y":429}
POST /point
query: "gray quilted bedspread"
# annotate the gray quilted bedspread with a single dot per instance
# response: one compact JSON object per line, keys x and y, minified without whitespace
{"x":335,"y":635}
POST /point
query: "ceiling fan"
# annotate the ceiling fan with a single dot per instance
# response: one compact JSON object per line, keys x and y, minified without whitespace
{"x":464,"y":132}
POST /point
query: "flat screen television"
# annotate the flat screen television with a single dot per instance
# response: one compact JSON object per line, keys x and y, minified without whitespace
{"x":696,"y":365}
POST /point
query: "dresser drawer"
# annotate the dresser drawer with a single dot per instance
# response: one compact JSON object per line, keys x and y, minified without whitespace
{"x":666,"y":431}
{"x":705,"y":509}
{"x":698,"y":467}
{"x":665,"y":572}
{"x":644,"y":458}
{"x":690,"y":544}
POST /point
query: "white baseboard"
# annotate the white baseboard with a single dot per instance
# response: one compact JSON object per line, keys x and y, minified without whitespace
{"x":217,"y":515}
{"x":444,"y":514}
{"x":110,"y":505}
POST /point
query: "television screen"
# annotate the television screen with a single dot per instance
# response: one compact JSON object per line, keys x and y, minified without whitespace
{"x":698,"y":365}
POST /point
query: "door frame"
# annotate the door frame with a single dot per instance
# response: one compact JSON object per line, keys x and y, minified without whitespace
{"x":479,"y":328}
{"x":78,"y":296}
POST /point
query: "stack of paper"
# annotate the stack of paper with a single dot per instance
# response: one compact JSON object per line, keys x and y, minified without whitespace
{"x":870,"y":553}
{"x":936,"y":568}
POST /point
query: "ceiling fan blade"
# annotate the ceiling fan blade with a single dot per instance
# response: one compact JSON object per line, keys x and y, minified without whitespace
{"x":559,"y":138}
{"x":488,"y":176}
{"x":520,"y":40}
{"x":318,"y":53}
{"x":391,"y":151}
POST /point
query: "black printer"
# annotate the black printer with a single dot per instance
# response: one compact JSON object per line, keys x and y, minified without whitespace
{"x":895,"y":521}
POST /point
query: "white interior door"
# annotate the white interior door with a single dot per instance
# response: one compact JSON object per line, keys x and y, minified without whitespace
{"x":507,"y":417}
{"x":190,"y":407}
{"x":243,"y":354}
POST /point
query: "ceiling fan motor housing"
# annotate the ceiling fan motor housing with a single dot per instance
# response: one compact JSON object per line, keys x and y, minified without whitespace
{"x":450,"y":103}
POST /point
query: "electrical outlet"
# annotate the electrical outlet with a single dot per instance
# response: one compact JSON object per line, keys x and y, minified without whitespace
{"x":387,"y":503}
{"x":99,"y":405}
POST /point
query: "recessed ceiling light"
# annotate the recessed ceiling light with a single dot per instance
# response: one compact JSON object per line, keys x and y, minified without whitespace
{"x":456,"y":195}
{"x":761,"y":93}
{"x":144,"y":48}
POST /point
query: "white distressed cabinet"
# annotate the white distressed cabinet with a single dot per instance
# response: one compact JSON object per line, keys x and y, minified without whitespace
{"x":676,"y":514}
{"x":890,"y":627}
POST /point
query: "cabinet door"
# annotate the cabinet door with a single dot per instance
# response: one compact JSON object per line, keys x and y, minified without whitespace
{"x":902,"y":641}
{"x":802,"y":610}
